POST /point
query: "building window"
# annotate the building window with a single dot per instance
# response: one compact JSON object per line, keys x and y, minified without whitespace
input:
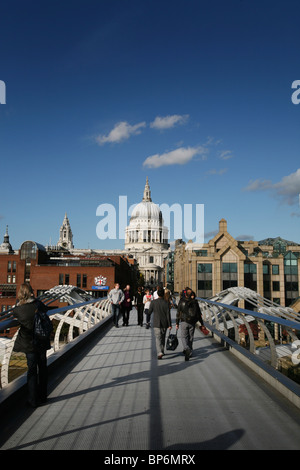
{"x":28,"y":250}
{"x":275,"y":269}
{"x":78,"y":280}
{"x":84,"y":280}
{"x":67,"y":279}
{"x":204,"y":267}
{"x":267,"y":286}
{"x":204,"y":280}
{"x":229,"y":283}
{"x":229,"y":267}
{"x":290,"y":264}
{"x":61,"y":279}
{"x":9,"y":266}
{"x":250,"y":278}
{"x":276,"y":285}
{"x":200,"y":252}
{"x":249,"y":268}
{"x":205,"y":285}
{"x":229,"y":277}
{"x":265,"y":269}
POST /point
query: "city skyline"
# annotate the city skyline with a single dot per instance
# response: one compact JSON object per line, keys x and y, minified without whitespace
{"x":196,"y":96}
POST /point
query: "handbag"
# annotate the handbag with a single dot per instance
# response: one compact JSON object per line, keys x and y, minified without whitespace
{"x":172,"y":342}
{"x":204,"y":330}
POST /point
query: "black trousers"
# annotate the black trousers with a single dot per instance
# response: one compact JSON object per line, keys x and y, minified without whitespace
{"x":140,"y":312}
{"x":37,"y":377}
{"x":126,"y":312}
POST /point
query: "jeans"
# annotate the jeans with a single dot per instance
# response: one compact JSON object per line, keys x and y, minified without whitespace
{"x":187,"y":335}
{"x":148,"y":316}
{"x":160,"y":339}
{"x":115,"y":308}
{"x":37,"y":377}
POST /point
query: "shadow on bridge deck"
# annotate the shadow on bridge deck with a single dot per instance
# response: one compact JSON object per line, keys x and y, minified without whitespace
{"x":115,"y":395}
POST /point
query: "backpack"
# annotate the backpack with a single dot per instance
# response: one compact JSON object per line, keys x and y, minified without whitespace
{"x":42,"y":329}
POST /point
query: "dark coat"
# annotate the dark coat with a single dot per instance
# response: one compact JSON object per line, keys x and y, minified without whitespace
{"x":127,"y":302}
{"x":188,"y":311}
{"x":25,"y":315}
{"x":161,"y":313}
{"x":139,"y":298}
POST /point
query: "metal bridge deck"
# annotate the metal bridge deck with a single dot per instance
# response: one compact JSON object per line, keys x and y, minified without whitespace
{"x":116,"y":395}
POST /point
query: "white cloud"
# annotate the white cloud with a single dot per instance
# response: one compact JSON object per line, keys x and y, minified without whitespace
{"x":180,"y":156}
{"x":217,"y":172}
{"x":121,"y":131}
{"x":258,"y":185}
{"x":225,"y":155}
{"x":168,"y":121}
{"x":244,"y":237}
{"x":288,"y":189}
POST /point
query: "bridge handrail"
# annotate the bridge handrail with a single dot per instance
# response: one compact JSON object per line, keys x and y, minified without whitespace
{"x":276,"y":346}
{"x":85,"y":315}
{"x":263,"y":316}
{"x":5,"y":324}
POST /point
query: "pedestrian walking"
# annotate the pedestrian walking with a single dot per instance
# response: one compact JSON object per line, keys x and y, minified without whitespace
{"x":188,"y":313}
{"x":147,"y":301}
{"x":168,"y":298}
{"x":161,"y":321}
{"x":127,"y":305}
{"x":37,"y":374}
{"x":116,"y":297}
{"x":139,"y":305}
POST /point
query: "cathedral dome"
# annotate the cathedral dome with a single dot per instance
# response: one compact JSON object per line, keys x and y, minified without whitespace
{"x":146,"y":238}
{"x":146,"y":222}
{"x":146,"y":210}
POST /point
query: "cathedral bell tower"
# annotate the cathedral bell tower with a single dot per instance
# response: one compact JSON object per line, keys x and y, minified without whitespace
{"x":65,"y":235}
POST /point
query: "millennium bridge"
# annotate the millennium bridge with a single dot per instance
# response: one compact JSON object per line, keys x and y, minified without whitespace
{"x":107,"y":390}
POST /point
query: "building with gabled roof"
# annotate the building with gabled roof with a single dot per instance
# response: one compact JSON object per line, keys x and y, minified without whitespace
{"x":270,"y":267}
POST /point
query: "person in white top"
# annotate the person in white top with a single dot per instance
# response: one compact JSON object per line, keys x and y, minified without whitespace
{"x":155,"y":294}
{"x":147,"y":301}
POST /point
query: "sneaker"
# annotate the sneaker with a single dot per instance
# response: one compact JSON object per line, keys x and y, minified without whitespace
{"x":187,"y":354}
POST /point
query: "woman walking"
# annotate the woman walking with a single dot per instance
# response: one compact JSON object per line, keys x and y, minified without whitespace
{"x":36,"y":356}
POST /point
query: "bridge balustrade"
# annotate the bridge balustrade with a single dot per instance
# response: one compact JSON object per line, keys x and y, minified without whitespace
{"x":268,"y":337}
{"x":71,"y":322}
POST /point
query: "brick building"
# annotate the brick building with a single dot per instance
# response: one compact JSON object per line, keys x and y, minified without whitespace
{"x":46,"y":267}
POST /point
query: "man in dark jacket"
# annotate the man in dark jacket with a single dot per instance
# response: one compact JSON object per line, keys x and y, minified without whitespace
{"x":189,"y":313}
{"x":161,"y":321}
{"x":139,"y":305}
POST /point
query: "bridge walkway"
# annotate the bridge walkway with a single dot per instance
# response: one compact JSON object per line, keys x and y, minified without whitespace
{"x":115,"y":395}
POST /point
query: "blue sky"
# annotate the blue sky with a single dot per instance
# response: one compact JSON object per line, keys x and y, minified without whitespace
{"x":196,"y":95}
